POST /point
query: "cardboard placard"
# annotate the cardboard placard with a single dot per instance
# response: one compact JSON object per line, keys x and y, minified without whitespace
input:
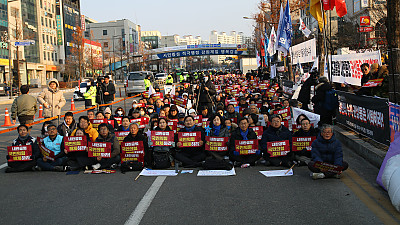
{"x":142,"y":121}
{"x":216,"y":144}
{"x":132,"y":151}
{"x":189,"y":139}
{"x":205,"y":122}
{"x":198,"y":120}
{"x":270,"y":93}
{"x":111,"y":122}
{"x":120,"y":135}
{"x":278,"y":148}
{"x":47,"y":153}
{"x":157,"y":95}
{"x":299,"y":143}
{"x":373,"y":83}
{"x":162,"y":138}
{"x":179,"y":101}
{"x":19,"y":153}
{"x":246,"y":147}
{"x":99,"y":149}
{"x":75,"y":144}
{"x":259,"y":131}
{"x":326,"y":167}
{"x":296,"y":127}
{"x":173,"y":125}
{"x":285,"y":113}
{"x":119,"y":120}
{"x":95,"y":122}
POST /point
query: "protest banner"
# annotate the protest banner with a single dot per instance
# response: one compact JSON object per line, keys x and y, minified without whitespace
{"x":285,"y":113}
{"x":118,"y":119}
{"x":47,"y":153}
{"x":373,"y":83}
{"x":259,"y":131}
{"x":198,"y":120}
{"x":189,"y":139}
{"x":278,"y":148}
{"x":295,"y":127}
{"x":111,"y":122}
{"x":173,"y":125}
{"x":270,"y":93}
{"x":287,"y":89}
{"x":300,"y":143}
{"x":246,"y":147}
{"x":142,"y":122}
{"x":95,"y":122}
{"x":314,"y":118}
{"x":146,"y":94}
{"x":205,"y":122}
{"x":367,"y":115}
{"x":75,"y":144}
{"x":326,"y":167}
{"x":132,"y":151}
{"x":120,"y":135}
{"x":347,"y":68}
{"x":99,"y":149}
{"x":179,"y":101}
{"x":19,"y":153}
{"x":216,"y":144}
{"x":162,"y":138}
{"x":394,"y":120}
{"x":304,"y":52}
{"x":157,"y":95}
{"x":179,"y":126}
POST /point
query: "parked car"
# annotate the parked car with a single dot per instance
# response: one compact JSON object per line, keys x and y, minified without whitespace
{"x":4,"y":88}
{"x":134,"y":82}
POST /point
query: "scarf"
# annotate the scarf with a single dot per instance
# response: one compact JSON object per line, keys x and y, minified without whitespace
{"x":23,"y":138}
{"x":244,"y":134}
{"x":190,"y":129}
{"x":217,"y":129}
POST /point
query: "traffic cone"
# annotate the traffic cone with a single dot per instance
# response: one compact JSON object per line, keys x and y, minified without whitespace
{"x":40,"y":111}
{"x":72,"y":105}
{"x":7,"y":121}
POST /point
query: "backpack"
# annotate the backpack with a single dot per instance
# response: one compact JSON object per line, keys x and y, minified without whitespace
{"x":161,"y":160}
{"x":216,"y":164}
{"x":131,"y":166}
{"x":331,"y":101}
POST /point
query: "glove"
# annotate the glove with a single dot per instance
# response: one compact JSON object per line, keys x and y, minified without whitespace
{"x":236,"y":153}
{"x":258,"y":152}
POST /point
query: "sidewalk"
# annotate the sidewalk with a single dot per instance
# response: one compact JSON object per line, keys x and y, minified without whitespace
{"x":5,"y":100}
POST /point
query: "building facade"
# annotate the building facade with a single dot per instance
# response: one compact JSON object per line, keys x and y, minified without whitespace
{"x":151,"y":38}
{"x":223,"y":38}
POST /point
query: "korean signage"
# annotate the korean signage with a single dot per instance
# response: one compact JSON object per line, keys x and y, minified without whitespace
{"x":198,"y":53}
{"x":59,"y":30}
{"x":246,"y":147}
{"x":365,"y":21}
{"x":99,"y":149}
{"x":304,"y":52}
{"x":189,"y":139}
{"x":216,"y":144}
{"x":19,"y":153}
{"x":74,"y":144}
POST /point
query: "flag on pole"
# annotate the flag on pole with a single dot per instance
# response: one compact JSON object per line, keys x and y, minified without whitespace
{"x":278,"y":32}
{"x":266,"y":41}
{"x":258,"y":59}
{"x":341,"y":8}
{"x":272,"y":40}
{"x":304,"y":29}
{"x":285,"y":32}
{"x":315,"y":10}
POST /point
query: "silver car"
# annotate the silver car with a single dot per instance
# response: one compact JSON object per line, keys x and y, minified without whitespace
{"x":134,"y":82}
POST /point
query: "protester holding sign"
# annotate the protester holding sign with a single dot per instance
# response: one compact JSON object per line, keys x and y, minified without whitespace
{"x":23,"y":139}
{"x":326,"y":149}
{"x":276,"y":135}
{"x":100,"y":116}
{"x":306,"y":130}
{"x":243,"y":132}
{"x":85,"y":124}
{"x":69,"y":125}
{"x":135,"y":135}
{"x":161,"y":146}
{"x":75,"y":148}
{"x":217,"y":128}
{"x":195,"y":136}
{"x":54,"y":143}
{"x":124,"y":124}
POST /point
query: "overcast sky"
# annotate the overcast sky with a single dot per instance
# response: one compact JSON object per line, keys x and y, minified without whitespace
{"x":182,"y":17}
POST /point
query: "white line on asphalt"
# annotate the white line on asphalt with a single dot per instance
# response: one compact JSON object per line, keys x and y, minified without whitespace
{"x":144,"y":204}
{"x":3,"y":166}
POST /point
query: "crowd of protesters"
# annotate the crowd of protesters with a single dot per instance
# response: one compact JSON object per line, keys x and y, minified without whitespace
{"x":224,"y":105}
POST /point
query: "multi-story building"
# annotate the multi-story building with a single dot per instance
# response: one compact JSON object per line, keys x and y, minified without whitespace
{"x":169,"y":41}
{"x":223,"y":38}
{"x":152,"y":38}
{"x":189,"y":40}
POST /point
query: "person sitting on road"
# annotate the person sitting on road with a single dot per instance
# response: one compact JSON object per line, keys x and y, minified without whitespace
{"x":158,"y":105}
{"x":85,"y":124}
{"x":326,"y":148}
{"x":108,"y":116}
{"x":73,"y":162}
{"x":217,"y":128}
{"x":65,"y":129}
{"x":119,"y":112}
{"x":173,"y":112}
{"x":90,"y":114}
{"x":100,"y":116}
{"x":243,"y":132}
{"x":125,"y":121}
{"x":276,"y":132}
{"x":135,"y":135}
{"x":193,"y":156}
{"x":24,"y":139}
{"x":44,"y":132}
{"x":231,"y":113}
{"x":106,"y":136}
{"x":161,"y":154}
{"x":306,"y":130}
{"x":54,"y":143}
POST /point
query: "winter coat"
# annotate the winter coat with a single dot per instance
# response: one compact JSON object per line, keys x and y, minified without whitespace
{"x":66,"y":131}
{"x":93,"y":134}
{"x":237,"y":136}
{"x":383,"y":90}
{"x":110,"y":88}
{"x":313,"y":132}
{"x":224,"y":132}
{"x":141,"y":137}
{"x":274,"y":134}
{"x":54,"y":145}
{"x":204,"y":96}
{"x":23,"y":105}
{"x":115,"y":147}
{"x":192,"y":149}
{"x":54,"y":98}
{"x":304,"y":94}
{"x":91,"y":94}
{"x":319,"y":98}
{"x":29,"y":141}
{"x":329,"y":151}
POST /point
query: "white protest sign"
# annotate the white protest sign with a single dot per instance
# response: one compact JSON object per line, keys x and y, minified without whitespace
{"x":304,"y":52}
{"x":216,"y":173}
{"x":314,"y":118}
{"x":154,"y":173}
{"x":277,"y":173}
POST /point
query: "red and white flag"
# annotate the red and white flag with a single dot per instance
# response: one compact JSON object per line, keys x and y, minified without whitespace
{"x":304,"y":29}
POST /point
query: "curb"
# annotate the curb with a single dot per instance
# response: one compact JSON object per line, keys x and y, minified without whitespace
{"x":372,"y":154}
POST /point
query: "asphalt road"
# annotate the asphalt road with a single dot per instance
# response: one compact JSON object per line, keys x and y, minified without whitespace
{"x":247,"y":198}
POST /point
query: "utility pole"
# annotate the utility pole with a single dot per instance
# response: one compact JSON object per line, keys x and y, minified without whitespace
{"x":393,"y":38}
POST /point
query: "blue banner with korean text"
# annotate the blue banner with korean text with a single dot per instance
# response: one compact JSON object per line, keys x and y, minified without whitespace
{"x":199,"y":52}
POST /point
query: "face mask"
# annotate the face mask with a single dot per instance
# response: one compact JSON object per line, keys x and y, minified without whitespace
{"x":141,"y":113}
{"x":134,"y":105}
{"x":119,"y":112}
{"x":150,"y":111}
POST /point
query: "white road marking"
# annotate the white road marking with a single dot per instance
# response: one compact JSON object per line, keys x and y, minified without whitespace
{"x":3,"y":166}
{"x":144,"y":204}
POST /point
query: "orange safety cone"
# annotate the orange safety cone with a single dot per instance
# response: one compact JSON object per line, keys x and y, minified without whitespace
{"x":7,"y":121}
{"x":40,"y":111}
{"x":72,"y":105}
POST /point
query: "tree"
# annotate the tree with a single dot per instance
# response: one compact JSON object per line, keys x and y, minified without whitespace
{"x":393,"y":38}
{"x":76,"y":59}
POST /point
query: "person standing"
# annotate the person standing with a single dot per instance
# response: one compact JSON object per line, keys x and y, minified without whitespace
{"x":169,"y":80}
{"x":206,"y":90}
{"x":90,"y":95}
{"x":147,"y":82}
{"x":52,"y":99}
{"x":108,"y":90}
{"x":24,"y":106}
{"x":320,"y":98}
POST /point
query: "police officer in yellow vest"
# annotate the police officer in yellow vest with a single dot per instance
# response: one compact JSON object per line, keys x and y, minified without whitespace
{"x":169,"y":80}
{"x":147,"y":82}
{"x":181,"y":78}
{"x":90,"y":95}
